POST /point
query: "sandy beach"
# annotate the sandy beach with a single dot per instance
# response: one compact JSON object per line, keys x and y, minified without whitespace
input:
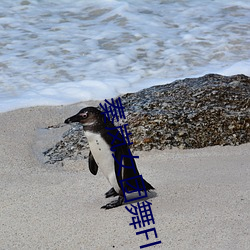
{"x":201,"y":198}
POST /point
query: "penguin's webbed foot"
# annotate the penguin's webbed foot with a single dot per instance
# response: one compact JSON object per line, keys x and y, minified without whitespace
{"x":113,"y":204}
{"x":111,"y":193}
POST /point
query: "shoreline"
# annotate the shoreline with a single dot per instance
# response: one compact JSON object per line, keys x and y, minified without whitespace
{"x":201,"y":202}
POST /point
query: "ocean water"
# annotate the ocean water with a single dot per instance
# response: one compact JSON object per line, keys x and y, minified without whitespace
{"x":61,"y":52}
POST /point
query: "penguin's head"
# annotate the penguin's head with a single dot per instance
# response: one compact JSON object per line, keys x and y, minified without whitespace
{"x":87,"y":117}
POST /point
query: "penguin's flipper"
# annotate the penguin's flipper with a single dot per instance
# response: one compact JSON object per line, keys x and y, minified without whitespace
{"x":93,"y":167}
{"x":113,"y":204}
{"x":111,"y":193}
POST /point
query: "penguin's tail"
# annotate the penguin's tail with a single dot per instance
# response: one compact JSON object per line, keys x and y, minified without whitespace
{"x":147,"y":185}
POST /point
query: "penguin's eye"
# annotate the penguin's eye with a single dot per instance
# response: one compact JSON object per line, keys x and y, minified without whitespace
{"x":84,"y":115}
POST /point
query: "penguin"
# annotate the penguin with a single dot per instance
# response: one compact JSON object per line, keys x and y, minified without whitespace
{"x":98,"y":130}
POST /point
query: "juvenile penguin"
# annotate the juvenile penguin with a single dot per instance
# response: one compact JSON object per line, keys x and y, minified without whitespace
{"x":98,"y":131}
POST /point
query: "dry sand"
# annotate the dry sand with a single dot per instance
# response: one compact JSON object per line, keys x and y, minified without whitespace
{"x":201,"y":201}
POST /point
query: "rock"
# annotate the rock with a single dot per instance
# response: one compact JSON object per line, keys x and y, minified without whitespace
{"x":190,"y":113}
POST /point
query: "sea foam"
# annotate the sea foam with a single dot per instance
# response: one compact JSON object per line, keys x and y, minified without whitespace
{"x":63,"y":52}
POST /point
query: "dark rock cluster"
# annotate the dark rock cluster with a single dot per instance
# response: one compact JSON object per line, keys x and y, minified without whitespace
{"x":190,"y":113}
{"x":72,"y":146}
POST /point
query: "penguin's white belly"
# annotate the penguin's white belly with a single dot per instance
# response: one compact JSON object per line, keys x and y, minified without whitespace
{"x":103,"y":157}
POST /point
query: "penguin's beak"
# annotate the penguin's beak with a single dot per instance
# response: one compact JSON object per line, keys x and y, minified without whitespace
{"x":74,"y":118}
